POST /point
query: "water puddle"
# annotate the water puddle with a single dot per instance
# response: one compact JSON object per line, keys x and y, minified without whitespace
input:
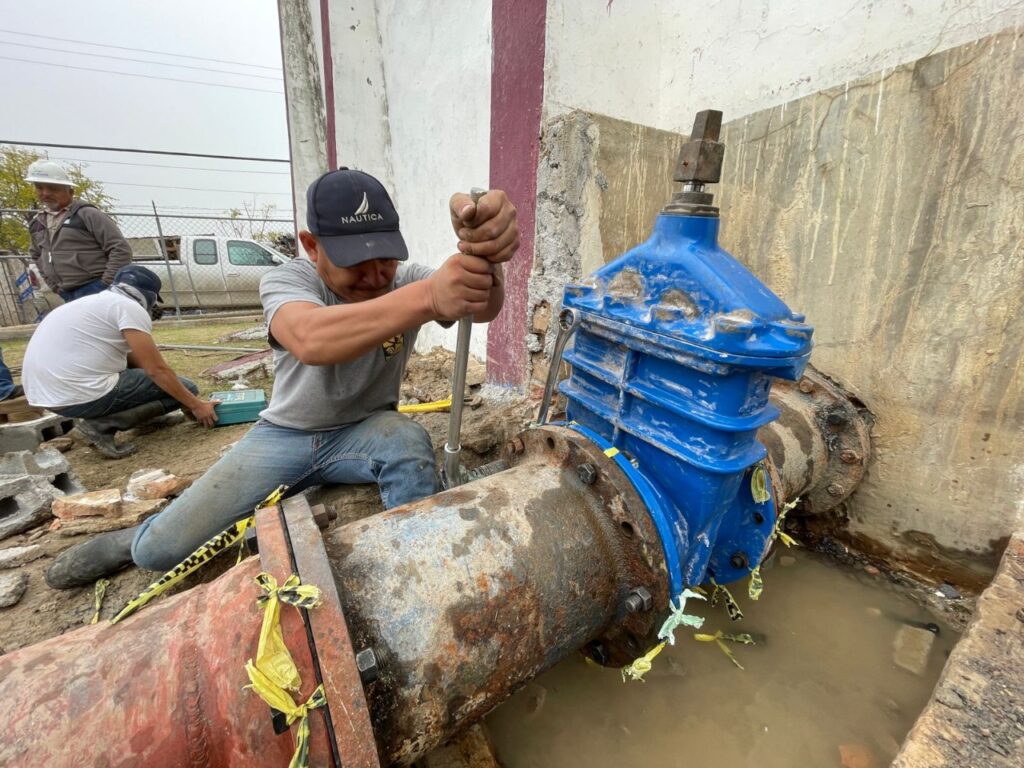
{"x":823,"y":676}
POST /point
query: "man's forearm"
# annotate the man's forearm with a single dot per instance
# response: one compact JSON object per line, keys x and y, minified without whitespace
{"x":169,"y":382}
{"x":338,"y":334}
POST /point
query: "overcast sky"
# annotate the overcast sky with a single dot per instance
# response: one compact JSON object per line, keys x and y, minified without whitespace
{"x":68,"y":105}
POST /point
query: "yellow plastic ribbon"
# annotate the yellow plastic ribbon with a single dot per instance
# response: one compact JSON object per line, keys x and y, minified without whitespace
{"x":98,"y":592}
{"x":233,"y":534}
{"x":756,"y":585}
{"x":777,"y":532}
{"x":272,"y":656}
{"x":279,"y":699}
{"x":641,"y":666}
{"x":719,"y":636}
{"x":731,"y":606}
{"x":759,"y":484}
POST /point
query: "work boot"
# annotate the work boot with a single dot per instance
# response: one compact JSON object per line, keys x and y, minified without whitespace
{"x":100,"y":431}
{"x":84,"y":563}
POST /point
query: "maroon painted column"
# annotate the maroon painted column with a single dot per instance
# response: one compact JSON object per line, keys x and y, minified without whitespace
{"x":517,"y":95}
{"x":325,"y":39}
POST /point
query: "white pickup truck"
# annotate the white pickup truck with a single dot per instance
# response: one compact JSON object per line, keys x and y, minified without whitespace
{"x":200,"y":271}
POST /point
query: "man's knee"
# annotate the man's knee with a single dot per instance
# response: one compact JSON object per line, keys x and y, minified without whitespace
{"x":152,"y":554}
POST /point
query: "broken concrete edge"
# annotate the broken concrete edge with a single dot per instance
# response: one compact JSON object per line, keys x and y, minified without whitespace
{"x":976,"y":713}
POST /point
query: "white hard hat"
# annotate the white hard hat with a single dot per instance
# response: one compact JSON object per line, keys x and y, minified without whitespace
{"x":48,"y":172}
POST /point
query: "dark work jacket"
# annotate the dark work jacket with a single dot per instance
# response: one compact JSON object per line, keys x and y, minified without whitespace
{"x":86,"y":246}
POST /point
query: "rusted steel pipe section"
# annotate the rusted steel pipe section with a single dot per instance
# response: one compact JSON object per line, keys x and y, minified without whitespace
{"x":820,"y":444}
{"x":467,"y":595}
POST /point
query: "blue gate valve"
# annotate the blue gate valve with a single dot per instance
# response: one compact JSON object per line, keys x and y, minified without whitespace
{"x":675,"y":347}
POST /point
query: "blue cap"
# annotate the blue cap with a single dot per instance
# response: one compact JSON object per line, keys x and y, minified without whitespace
{"x":354,"y":219}
{"x":145,"y":280}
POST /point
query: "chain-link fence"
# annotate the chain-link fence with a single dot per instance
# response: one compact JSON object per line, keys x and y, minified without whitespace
{"x":206,"y":263}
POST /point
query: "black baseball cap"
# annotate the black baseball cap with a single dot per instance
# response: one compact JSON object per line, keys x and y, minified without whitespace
{"x":144,"y":280}
{"x":352,"y":215}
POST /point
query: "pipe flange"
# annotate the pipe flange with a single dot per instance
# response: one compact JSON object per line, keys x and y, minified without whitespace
{"x":844,"y":424}
{"x":642,"y":576}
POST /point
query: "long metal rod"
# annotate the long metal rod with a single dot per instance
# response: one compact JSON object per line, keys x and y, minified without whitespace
{"x":167,"y":262}
{"x":451,"y":473}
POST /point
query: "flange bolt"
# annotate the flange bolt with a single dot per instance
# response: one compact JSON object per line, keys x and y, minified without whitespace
{"x":835,"y":489}
{"x":587,"y":473}
{"x":849,"y":457}
{"x":366,"y":663}
{"x":639,"y":600}
{"x":739,"y":560}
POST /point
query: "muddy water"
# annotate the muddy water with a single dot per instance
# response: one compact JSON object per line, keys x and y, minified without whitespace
{"x":822,"y":676}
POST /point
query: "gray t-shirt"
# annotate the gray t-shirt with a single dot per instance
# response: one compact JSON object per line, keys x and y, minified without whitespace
{"x":319,"y":397}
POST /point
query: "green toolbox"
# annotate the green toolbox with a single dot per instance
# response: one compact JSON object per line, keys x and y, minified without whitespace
{"x":239,"y":406}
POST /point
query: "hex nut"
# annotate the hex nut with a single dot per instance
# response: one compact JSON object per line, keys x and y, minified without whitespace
{"x":806,"y":385}
{"x":639,"y":599}
{"x":366,"y":663}
{"x":516,"y":446}
{"x":835,"y":489}
{"x":587,"y":473}
{"x":849,"y":457}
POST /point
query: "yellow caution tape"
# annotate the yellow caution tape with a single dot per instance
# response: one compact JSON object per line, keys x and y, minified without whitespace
{"x":98,"y":592}
{"x":437,"y":405}
{"x":279,"y":699}
{"x":777,"y":532}
{"x":731,"y":606}
{"x":759,"y":484}
{"x":272,"y":656}
{"x":679,"y":617}
{"x":611,"y":452}
{"x":206,"y":552}
{"x":756,"y":586}
{"x":719,"y":636}
{"x":642,"y":666}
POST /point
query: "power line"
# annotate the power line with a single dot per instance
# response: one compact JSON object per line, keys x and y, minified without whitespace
{"x":189,"y":189}
{"x":139,"y":50}
{"x":140,"y":61}
{"x":145,"y":77}
{"x":173,"y":167}
{"x":144,"y":151}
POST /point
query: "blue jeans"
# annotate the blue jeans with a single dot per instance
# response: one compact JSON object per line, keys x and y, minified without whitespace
{"x":387,"y":448}
{"x":133,"y":388}
{"x":83,"y":290}
{"x":6,"y":380}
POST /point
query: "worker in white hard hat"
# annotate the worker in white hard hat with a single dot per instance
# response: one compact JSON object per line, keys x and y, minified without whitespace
{"x":77,"y":248}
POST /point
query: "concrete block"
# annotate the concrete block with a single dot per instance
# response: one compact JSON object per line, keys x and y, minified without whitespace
{"x":12,"y":557}
{"x":155,"y":484}
{"x":12,"y":587}
{"x":912,"y":648}
{"x":28,"y":435}
{"x":105,"y":503}
{"x":25,"y":503}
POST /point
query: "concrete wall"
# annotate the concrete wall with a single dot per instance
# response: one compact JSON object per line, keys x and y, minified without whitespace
{"x":656,"y":62}
{"x":406,"y":98}
{"x":890,"y":210}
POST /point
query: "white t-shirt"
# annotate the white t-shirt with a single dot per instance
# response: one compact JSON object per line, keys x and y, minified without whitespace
{"x":77,"y":353}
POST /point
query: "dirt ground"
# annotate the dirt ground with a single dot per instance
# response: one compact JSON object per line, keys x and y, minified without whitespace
{"x":187,"y":450}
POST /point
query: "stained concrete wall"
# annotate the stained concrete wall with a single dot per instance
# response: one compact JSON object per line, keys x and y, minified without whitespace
{"x":890,"y":211}
{"x":656,"y":62}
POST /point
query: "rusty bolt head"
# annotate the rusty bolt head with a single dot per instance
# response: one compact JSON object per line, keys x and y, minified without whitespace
{"x":515,"y":445}
{"x":638,"y":600}
{"x":835,"y":489}
{"x":587,"y":473}
{"x":806,"y":385}
{"x":849,"y":457}
{"x":366,"y":663}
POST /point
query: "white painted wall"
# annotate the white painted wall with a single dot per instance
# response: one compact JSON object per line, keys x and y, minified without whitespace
{"x":437,"y":73}
{"x":657,"y":62}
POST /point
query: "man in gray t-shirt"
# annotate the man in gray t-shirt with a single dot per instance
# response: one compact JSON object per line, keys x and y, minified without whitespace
{"x":342,"y":324}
